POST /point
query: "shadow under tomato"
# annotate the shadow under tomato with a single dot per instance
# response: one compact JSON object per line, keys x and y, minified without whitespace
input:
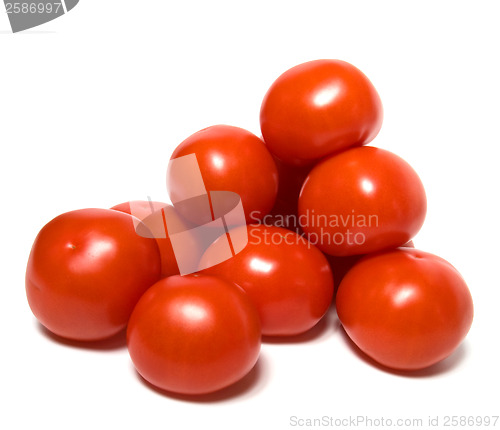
{"x":326,"y":327}
{"x":444,"y":366}
{"x":249,"y":385}
{"x":117,"y":341}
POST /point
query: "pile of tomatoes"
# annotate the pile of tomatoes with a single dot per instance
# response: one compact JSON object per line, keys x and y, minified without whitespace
{"x":327,"y":221}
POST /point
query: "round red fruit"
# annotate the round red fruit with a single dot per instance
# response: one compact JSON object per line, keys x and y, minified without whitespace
{"x":229,"y":159}
{"x":86,"y":271}
{"x":194,"y":334}
{"x":287,"y":278}
{"x":318,"y":108}
{"x":360,"y":201}
{"x":405,"y":308}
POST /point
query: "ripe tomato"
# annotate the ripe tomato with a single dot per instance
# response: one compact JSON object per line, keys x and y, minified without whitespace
{"x":87,"y":270}
{"x":318,"y":108}
{"x":288,"y":279}
{"x":360,"y":201}
{"x":160,"y":221}
{"x":230,"y":159}
{"x":405,"y":308}
{"x":194,"y":334}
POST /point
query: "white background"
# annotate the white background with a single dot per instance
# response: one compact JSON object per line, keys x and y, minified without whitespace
{"x":93,"y":103}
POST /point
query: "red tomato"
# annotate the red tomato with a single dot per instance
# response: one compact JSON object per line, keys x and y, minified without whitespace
{"x":318,"y":108}
{"x":194,"y":334}
{"x":230,"y":159}
{"x":86,"y":271}
{"x":162,"y":220}
{"x":288,"y":279}
{"x":405,"y":308}
{"x":360,"y":201}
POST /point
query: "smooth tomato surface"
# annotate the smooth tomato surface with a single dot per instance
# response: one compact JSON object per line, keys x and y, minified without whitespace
{"x":287,"y":278}
{"x":194,"y":334}
{"x":160,"y":221}
{"x":405,"y":308}
{"x":86,"y":271}
{"x":360,"y":201}
{"x":230,"y":159}
{"x":318,"y":108}
{"x":341,"y":265}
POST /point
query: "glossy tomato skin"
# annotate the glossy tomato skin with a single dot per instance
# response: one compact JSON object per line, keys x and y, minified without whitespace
{"x":287,"y":278}
{"x":86,"y":271}
{"x":319,"y":108}
{"x":230,"y":159}
{"x":361,"y":201}
{"x":159,"y":221}
{"x":194,"y":334}
{"x":405,"y":308}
